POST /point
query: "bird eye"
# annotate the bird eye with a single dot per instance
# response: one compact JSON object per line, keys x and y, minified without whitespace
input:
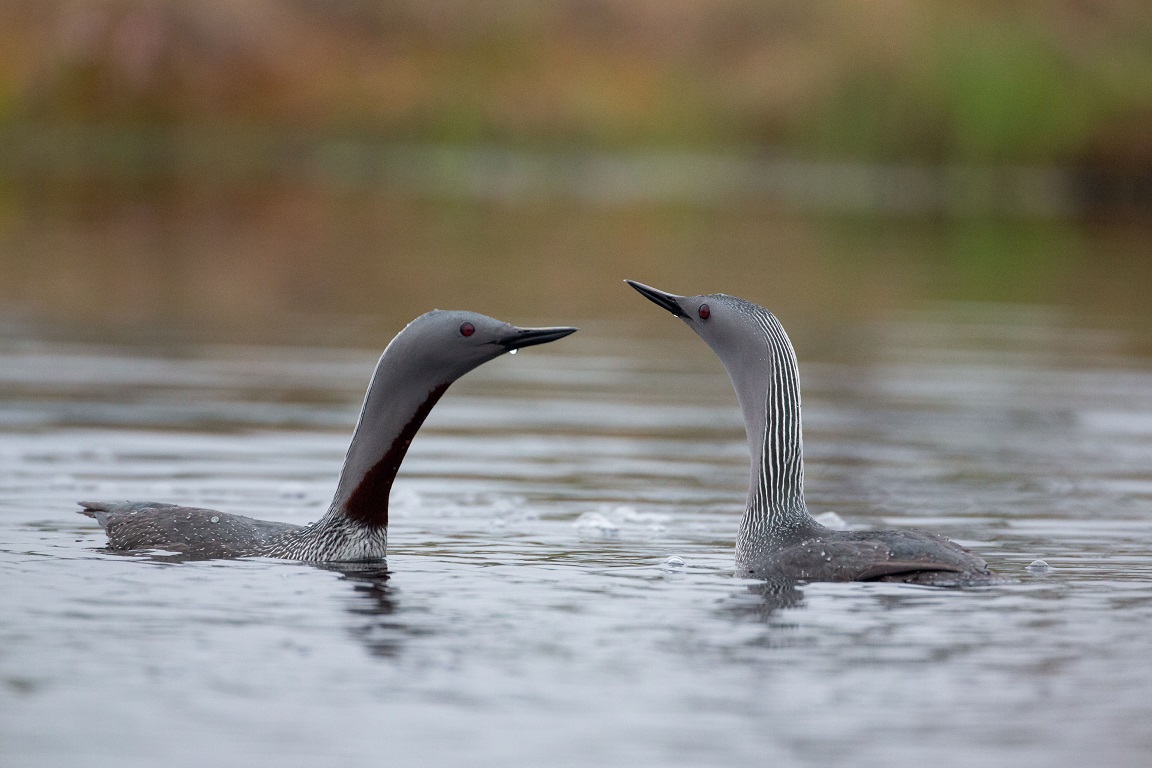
{"x":704,"y":312}
{"x":467,"y":329}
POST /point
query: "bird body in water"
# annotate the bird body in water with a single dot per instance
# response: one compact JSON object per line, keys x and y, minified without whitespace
{"x":415,"y":370}
{"x":778,"y":537}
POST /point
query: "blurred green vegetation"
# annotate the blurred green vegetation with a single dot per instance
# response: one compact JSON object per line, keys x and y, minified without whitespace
{"x":991,"y":93}
{"x":943,"y":81}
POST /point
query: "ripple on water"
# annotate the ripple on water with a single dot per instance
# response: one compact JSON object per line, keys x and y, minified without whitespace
{"x":541,"y":612}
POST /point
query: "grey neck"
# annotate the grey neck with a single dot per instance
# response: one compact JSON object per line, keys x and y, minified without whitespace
{"x":401,"y":395}
{"x":767,"y":384}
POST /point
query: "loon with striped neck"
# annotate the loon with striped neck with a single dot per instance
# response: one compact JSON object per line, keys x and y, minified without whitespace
{"x":778,"y":538}
{"x":417,"y":367}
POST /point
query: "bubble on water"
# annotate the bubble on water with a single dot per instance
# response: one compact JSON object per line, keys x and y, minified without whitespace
{"x":215,"y":518}
{"x":512,"y":510}
{"x":1038,"y":566}
{"x":630,"y":515}
{"x":832,"y":520}
{"x":595,"y":524}
{"x":673,"y":563}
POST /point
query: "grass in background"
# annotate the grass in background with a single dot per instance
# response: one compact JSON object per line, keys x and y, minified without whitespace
{"x":944,"y":82}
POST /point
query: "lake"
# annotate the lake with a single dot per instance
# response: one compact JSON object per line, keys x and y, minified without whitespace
{"x":559,"y":586}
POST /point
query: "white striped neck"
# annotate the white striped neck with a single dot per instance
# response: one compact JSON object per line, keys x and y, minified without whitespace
{"x":761,"y":363}
{"x":775,"y":432}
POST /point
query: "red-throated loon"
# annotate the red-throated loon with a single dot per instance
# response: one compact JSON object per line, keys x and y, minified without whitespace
{"x":778,"y":538}
{"x":417,"y":367}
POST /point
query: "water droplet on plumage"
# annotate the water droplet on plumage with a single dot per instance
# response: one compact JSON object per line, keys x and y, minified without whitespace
{"x":215,"y":519}
{"x":513,"y":351}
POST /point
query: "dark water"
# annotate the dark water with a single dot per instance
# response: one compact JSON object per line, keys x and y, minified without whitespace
{"x":532,"y":616}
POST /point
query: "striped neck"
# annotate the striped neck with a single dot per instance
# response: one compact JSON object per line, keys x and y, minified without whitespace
{"x":776,"y":511}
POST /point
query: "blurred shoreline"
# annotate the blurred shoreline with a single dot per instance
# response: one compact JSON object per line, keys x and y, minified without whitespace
{"x":518,"y":176}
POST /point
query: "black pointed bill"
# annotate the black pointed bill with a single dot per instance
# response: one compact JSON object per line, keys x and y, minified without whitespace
{"x":530,"y":337}
{"x":667,"y":300}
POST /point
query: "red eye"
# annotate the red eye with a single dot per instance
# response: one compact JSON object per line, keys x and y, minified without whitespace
{"x":467,"y":329}
{"x":704,"y":312}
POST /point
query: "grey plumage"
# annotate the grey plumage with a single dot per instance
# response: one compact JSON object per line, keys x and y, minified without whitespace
{"x":418,"y":366}
{"x":778,"y":537}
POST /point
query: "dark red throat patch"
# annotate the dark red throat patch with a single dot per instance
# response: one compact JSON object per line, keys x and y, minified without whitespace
{"x":368,"y":504}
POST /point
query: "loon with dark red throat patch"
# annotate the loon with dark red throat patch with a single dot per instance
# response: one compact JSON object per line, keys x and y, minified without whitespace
{"x":415,"y":370}
{"x":779,"y":540}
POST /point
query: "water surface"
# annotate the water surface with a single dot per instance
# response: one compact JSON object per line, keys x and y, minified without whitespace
{"x":531,"y":616}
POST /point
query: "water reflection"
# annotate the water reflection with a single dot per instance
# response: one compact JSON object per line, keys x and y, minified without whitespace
{"x":372,"y":605}
{"x":506,"y":622}
{"x":237,"y":264}
{"x":764,"y":599}
{"x":373,"y":608}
